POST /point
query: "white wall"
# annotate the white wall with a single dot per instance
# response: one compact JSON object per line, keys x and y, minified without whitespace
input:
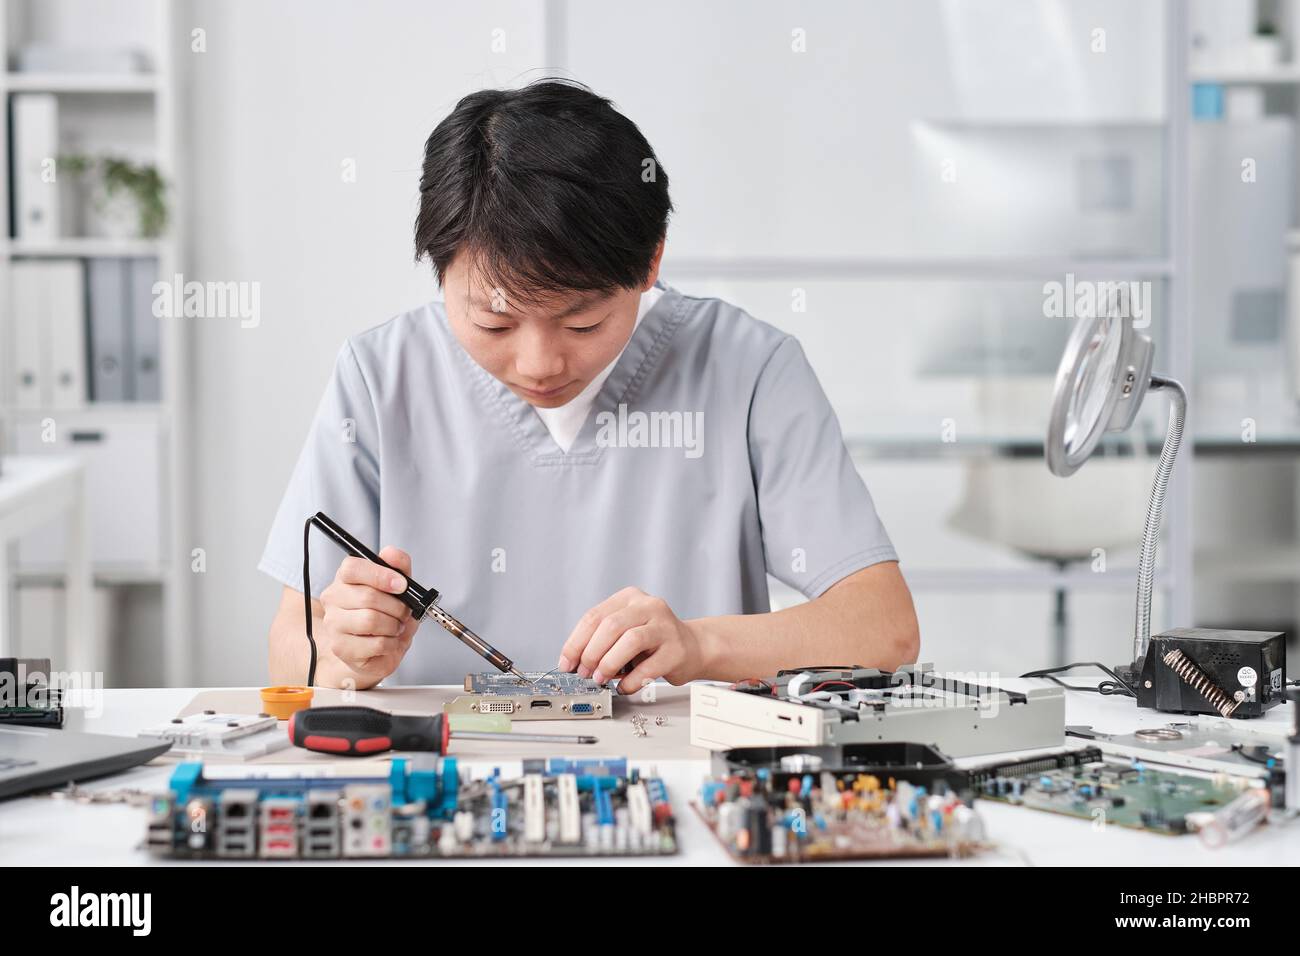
{"x":778,"y":152}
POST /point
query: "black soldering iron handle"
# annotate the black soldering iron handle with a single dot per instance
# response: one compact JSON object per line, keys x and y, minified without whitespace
{"x":417,"y":597}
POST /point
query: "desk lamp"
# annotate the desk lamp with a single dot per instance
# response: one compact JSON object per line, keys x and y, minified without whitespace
{"x":1103,"y":377}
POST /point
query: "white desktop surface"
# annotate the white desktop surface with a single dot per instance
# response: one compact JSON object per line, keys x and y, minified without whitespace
{"x":41,"y":830}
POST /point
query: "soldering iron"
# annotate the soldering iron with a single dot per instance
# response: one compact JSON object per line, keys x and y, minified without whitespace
{"x":422,"y":601}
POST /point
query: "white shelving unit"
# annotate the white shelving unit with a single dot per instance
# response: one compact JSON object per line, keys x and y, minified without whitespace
{"x":83,"y":82}
{"x":83,"y":247}
{"x":1238,"y":568}
{"x":1286,"y":75}
{"x":100,"y":94}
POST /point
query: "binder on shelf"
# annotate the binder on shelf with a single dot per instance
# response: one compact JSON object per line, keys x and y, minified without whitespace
{"x":146,"y":333}
{"x":65,"y":319}
{"x":110,"y":358}
{"x":35,"y":148}
{"x":30,"y":371}
{"x":49,"y":334}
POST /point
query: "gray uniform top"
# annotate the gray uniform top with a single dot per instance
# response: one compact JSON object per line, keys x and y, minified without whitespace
{"x":710,"y":457}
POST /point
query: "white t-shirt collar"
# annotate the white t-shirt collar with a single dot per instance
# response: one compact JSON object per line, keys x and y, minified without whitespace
{"x":565,"y":421}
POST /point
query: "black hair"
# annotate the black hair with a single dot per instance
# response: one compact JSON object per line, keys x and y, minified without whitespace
{"x":548,"y":188}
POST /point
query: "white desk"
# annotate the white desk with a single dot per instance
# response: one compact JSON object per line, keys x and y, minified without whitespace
{"x":34,"y":490}
{"x":36,"y":830}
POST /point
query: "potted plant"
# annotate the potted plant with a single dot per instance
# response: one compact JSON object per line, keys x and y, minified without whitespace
{"x":126,"y":199}
{"x":1265,"y":47}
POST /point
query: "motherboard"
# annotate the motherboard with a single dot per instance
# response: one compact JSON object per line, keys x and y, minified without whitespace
{"x":412,"y":809}
{"x":540,"y":696}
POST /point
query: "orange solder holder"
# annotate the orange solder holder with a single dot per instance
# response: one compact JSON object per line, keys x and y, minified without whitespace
{"x":283,"y":702}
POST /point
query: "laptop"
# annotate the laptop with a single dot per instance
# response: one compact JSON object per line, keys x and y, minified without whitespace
{"x":38,"y":758}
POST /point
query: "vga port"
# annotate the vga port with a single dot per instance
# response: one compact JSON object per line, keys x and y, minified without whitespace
{"x":496,"y":707}
{"x":581,"y":708}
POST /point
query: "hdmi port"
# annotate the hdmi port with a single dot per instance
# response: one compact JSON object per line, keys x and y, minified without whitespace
{"x":540,"y":705}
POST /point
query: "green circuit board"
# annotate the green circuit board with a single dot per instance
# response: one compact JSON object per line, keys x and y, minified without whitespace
{"x":1122,"y":793}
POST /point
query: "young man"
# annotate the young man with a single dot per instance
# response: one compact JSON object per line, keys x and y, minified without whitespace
{"x":596,"y":470}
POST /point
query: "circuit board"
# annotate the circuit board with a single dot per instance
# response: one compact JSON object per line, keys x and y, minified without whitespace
{"x":1209,"y":744}
{"x":772,"y":805}
{"x":414,"y":808}
{"x":212,"y":734}
{"x":50,"y":716}
{"x":1125,"y":793}
{"x":543,"y":696}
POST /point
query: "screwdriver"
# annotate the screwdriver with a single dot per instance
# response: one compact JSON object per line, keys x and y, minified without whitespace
{"x":360,"y":731}
{"x":421,"y":600}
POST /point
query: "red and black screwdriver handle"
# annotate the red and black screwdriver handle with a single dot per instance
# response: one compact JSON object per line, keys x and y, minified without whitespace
{"x":416,"y":596}
{"x":360,"y":731}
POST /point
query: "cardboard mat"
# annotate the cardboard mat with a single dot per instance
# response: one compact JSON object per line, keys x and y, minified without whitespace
{"x":614,"y":734}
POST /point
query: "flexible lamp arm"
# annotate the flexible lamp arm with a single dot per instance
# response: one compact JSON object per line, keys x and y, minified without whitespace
{"x":1155,"y":506}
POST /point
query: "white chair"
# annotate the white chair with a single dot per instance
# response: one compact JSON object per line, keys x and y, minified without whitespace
{"x":1019,"y":504}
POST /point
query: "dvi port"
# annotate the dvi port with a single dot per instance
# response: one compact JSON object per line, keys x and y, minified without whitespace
{"x":496,"y":707}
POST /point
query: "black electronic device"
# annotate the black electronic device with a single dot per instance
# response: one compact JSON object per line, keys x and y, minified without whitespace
{"x":1201,"y":670}
{"x":27,"y":695}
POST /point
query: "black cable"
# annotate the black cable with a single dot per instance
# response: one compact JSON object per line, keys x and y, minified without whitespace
{"x":1106,"y":688}
{"x":1254,"y":758}
{"x":306,"y":600}
{"x":1115,"y":686}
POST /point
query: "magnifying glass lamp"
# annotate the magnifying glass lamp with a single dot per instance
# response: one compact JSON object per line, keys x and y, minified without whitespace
{"x":1104,"y":374}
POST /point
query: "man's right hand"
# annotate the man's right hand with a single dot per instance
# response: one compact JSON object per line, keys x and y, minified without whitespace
{"x":366,"y":628}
